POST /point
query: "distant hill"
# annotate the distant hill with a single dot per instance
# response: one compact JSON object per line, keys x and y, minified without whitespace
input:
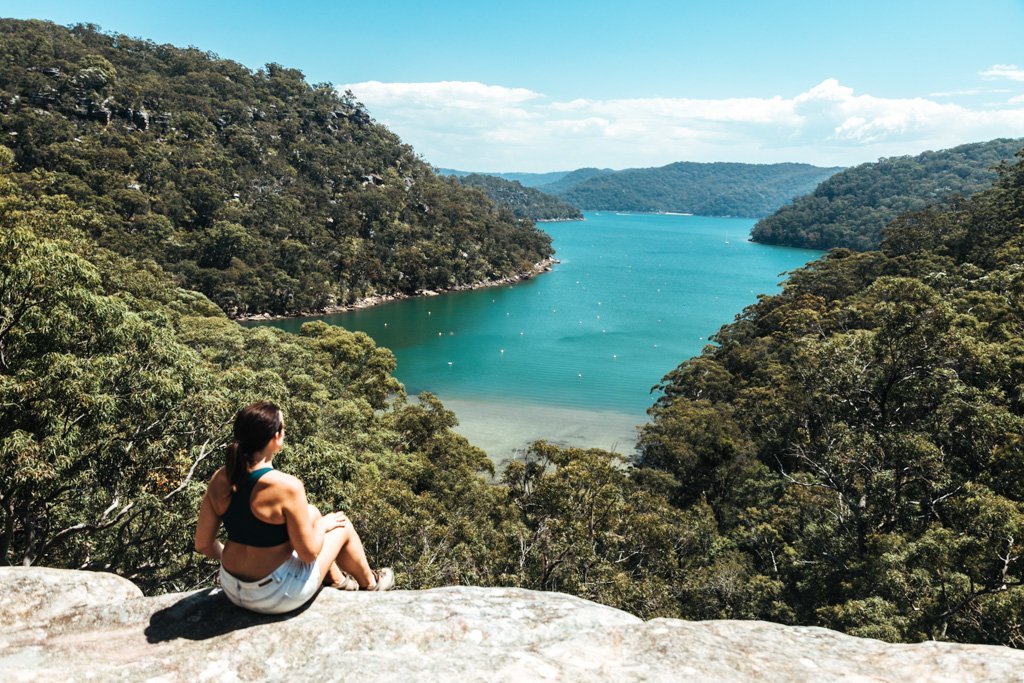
{"x":851,"y":208}
{"x":574,"y":178}
{"x":524,"y":179}
{"x":524,"y":202}
{"x":714,"y":189}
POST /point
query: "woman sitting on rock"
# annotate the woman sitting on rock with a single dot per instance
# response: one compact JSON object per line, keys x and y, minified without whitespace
{"x":280,"y":549}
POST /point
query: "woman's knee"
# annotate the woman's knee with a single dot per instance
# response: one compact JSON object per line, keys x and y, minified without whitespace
{"x":343,"y":532}
{"x":314,"y":512}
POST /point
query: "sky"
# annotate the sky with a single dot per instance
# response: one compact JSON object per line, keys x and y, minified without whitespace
{"x":553,"y":85}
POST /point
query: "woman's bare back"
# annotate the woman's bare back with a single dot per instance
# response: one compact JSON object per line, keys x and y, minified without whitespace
{"x":251,"y":563}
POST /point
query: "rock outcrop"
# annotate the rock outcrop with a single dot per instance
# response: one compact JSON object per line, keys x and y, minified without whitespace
{"x":67,"y":625}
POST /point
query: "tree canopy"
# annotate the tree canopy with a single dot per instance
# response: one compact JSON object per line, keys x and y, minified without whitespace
{"x":849,"y":453}
{"x":524,"y":202}
{"x":852,"y":208}
{"x":264,"y":192}
{"x":716,"y":189}
{"x":859,"y":438}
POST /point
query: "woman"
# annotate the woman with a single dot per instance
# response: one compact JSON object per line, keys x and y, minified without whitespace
{"x":280,"y":549}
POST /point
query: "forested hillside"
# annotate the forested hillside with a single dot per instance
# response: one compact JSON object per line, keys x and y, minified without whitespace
{"x":718,"y":189}
{"x":117,"y":391}
{"x":524,"y":179}
{"x":524,"y":202}
{"x":851,"y":208}
{"x":264,"y":192}
{"x":571,"y":179}
{"x":859,"y":438}
{"x":850,"y":453}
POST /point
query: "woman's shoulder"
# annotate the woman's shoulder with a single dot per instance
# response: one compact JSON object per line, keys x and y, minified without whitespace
{"x":218,"y":491}
{"x":219,"y":481}
{"x":283,"y":480}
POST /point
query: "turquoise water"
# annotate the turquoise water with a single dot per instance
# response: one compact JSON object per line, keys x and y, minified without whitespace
{"x":633,"y":297}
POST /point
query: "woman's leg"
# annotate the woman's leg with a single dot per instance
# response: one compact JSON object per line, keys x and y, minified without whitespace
{"x":336,"y":577}
{"x":352,"y":557}
{"x":344,"y":547}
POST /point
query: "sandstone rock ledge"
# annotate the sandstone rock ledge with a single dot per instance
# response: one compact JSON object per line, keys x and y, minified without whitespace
{"x":67,"y":625}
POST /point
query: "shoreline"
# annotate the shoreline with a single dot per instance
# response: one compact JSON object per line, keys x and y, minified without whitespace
{"x":505,"y":427}
{"x":544,"y":266}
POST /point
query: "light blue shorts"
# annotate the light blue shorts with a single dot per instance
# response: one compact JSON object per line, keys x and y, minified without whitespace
{"x":288,"y":587}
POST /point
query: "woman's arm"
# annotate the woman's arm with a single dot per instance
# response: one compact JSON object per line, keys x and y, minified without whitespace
{"x":206,"y":528}
{"x":305,"y":534}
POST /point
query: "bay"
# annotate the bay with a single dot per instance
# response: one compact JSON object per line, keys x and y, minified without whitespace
{"x":571,"y":356}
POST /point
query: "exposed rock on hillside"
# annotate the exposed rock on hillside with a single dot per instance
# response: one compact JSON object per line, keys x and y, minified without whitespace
{"x":66,"y":625}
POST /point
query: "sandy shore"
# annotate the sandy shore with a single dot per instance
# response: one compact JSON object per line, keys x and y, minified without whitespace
{"x":505,"y":429}
{"x":540,"y":267}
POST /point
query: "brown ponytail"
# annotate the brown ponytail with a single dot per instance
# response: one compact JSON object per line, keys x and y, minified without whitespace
{"x":255,"y":425}
{"x":235,"y":463}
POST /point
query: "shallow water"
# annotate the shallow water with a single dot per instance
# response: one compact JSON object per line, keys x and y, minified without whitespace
{"x":572,"y":355}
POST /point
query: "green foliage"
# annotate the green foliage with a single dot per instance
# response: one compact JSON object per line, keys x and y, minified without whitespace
{"x":860,"y":437}
{"x":588,"y":528}
{"x":117,"y":390}
{"x":718,"y":189}
{"x":101,"y":404}
{"x":525,"y":203}
{"x":262,"y":191}
{"x":850,"y":452}
{"x":852,"y":208}
{"x":524,"y":179}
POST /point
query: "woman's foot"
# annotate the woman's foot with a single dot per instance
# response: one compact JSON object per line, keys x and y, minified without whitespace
{"x":341,"y":580}
{"x":346,"y":582}
{"x":384,"y":580}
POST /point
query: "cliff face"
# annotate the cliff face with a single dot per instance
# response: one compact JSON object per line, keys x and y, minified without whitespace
{"x":67,"y":625}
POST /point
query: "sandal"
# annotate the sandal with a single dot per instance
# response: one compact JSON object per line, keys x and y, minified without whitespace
{"x":385,"y":580}
{"x":347,"y":583}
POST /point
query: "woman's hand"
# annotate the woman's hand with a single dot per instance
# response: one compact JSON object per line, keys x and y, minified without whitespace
{"x":333,"y":520}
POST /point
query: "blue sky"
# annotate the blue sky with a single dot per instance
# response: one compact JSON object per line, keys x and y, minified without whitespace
{"x":559,"y":84}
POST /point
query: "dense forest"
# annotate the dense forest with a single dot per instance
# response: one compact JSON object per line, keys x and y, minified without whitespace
{"x":718,"y":189}
{"x":524,"y":202}
{"x":569,"y":180}
{"x":848,"y":453}
{"x":859,"y":438}
{"x":851,"y":208}
{"x":264,"y":192}
{"x":524,"y":179}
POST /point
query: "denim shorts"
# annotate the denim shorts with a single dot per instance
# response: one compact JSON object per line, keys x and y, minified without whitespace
{"x":286,"y":588}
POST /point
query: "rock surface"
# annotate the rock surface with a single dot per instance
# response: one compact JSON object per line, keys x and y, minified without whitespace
{"x":66,"y":625}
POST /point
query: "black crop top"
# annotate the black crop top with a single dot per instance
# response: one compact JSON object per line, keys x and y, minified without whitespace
{"x":242,"y":525}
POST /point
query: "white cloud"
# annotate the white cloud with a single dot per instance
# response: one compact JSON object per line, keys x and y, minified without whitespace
{"x":969,"y":91}
{"x":1019,"y":99}
{"x":1009,"y":71}
{"x":460,"y":93}
{"x":480,"y":127}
